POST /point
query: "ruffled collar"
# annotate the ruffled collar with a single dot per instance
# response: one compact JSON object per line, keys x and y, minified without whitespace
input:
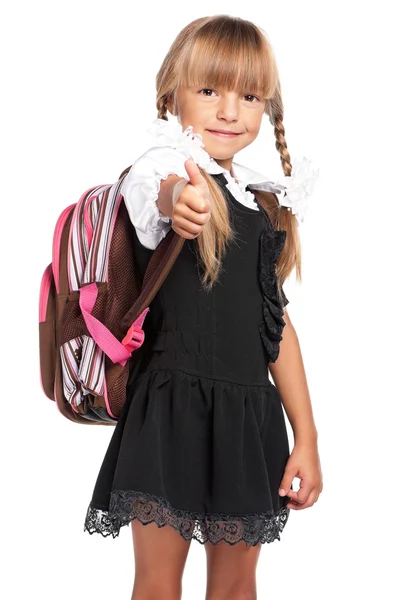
{"x":291,"y":191}
{"x":245,"y":177}
{"x":170,"y":133}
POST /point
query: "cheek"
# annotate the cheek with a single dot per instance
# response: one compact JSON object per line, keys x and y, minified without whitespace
{"x":191,"y":117}
{"x":254,"y":126}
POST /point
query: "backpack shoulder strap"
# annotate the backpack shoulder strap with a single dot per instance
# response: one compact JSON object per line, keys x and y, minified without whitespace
{"x":159,"y":266}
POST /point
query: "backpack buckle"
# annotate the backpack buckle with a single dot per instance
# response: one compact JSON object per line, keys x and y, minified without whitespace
{"x":134,"y":338}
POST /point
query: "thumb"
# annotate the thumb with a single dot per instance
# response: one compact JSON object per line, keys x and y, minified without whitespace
{"x":195,"y":176}
{"x":286,"y":483}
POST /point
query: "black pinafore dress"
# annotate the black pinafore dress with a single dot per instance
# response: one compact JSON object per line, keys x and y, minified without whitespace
{"x":201,"y":443}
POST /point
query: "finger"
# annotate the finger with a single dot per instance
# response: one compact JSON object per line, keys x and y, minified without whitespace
{"x":196,"y":178}
{"x":306,"y":488}
{"x":182,"y":232}
{"x":186,"y":212}
{"x":187,"y":227}
{"x":286,"y":483}
{"x":185,"y":234}
{"x":310,"y":501}
{"x":199,"y":201}
{"x":301,"y":495}
{"x":292,"y":494}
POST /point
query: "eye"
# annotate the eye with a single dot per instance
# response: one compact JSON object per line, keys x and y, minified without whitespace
{"x":246,"y":96}
{"x":205,"y":90}
{"x":251,"y":96}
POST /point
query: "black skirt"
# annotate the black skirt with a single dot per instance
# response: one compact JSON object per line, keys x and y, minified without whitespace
{"x":201,"y":443}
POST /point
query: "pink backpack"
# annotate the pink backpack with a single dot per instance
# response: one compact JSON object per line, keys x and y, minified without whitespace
{"x":93,"y":304}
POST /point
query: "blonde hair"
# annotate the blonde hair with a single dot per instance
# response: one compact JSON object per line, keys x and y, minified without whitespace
{"x":230,"y":52}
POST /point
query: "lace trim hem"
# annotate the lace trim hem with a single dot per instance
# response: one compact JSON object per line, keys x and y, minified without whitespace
{"x":126,"y":505}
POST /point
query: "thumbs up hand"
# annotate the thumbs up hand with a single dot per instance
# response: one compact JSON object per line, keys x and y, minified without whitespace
{"x":192,"y":209}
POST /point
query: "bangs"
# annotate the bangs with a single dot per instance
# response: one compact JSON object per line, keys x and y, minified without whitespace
{"x":231,"y":55}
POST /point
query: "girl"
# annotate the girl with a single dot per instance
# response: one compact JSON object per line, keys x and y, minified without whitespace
{"x":201,"y":450}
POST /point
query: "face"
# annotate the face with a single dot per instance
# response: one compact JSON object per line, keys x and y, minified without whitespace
{"x":208,"y":110}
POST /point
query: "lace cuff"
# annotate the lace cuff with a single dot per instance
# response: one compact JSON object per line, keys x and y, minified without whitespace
{"x":141,"y":189}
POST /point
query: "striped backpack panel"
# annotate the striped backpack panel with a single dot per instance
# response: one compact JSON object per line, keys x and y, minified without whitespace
{"x":92,"y":305}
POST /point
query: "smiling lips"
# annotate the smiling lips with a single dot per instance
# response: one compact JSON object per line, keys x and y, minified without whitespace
{"x":224,"y":134}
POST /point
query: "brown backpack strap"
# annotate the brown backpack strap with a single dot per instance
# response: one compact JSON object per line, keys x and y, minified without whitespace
{"x":262,"y":202}
{"x":159,"y":266}
{"x":126,"y":170}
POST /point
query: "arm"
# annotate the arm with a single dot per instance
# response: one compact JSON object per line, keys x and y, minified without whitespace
{"x":289,"y":377}
{"x":151,"y":178}
{"x":304,"y":462}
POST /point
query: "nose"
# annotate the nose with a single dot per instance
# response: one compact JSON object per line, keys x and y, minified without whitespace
{"x":228,"y":106}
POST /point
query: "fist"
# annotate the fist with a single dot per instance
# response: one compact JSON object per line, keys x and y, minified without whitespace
{"x":193,"y":208}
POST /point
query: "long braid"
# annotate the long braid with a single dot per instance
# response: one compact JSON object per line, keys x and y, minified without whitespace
{"x":281,"y":146}
{"x":161,"y":105}
{"x":284,"y":219}
{"x":276,"y":111}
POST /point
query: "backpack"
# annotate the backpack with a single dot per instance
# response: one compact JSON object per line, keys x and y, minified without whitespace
{"x":92,"y":305}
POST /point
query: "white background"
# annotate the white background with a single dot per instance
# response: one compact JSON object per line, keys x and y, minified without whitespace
{"x":78,"y":92}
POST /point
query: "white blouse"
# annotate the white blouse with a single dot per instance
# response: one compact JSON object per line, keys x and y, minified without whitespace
{"x":142,"y":183}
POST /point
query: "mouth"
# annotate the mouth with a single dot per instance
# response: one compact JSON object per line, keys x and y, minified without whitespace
{"x":223,"y":134}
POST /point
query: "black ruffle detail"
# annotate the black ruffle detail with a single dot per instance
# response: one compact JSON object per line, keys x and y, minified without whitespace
{"x":126,"y":505}
{"x":271,"y":245}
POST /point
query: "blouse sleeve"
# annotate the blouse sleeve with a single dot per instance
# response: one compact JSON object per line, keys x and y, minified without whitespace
{"x":141,"y":188}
